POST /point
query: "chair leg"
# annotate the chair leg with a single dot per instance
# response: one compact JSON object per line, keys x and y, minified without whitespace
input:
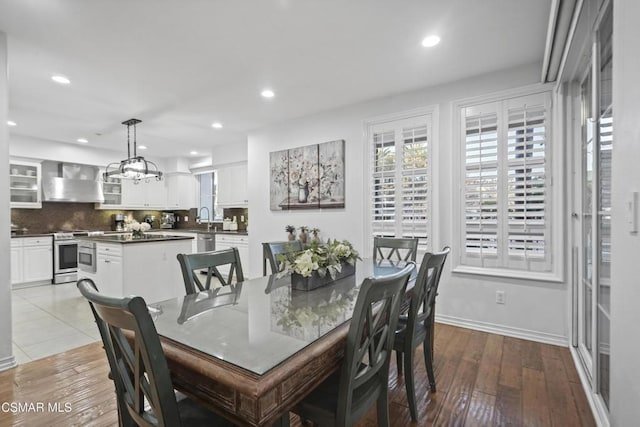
{"x":382,"y":407}
{"x":399,"y":362}
{"x":427,"y":349}
{"x":408,"y":382}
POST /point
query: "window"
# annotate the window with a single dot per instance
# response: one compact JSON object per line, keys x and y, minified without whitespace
{"x":208,"y":185}
{"x":400,"y":180}
{"x":506,"y":184}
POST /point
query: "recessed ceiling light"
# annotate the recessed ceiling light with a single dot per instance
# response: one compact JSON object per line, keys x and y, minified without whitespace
{"x":430,"y":41}
{"x":267,"y":93}
{"x":10,"y":123}
{"x":82,"y":140}
{"x":61,"y":79}
{"x":216,"y":125}
{"x":193,"y":153}
{"x":142,"y":147}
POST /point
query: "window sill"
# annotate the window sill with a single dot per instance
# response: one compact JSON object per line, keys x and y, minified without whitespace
{"x":511,"y":274}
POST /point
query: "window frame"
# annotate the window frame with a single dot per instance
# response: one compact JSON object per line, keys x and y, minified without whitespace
{"x":431,"y":113}
{"x":554,"y":159}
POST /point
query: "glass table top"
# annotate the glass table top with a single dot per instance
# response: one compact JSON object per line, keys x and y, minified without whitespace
{"x":261,"y":322}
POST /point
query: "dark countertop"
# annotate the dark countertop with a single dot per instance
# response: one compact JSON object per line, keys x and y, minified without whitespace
{"x":31,"y":235}
{"x":127,"y":238}
{"x":194,"y":230}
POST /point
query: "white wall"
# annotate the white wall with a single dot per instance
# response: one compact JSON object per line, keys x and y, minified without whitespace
{"x":228,"y":153}
{"x":534,"y":310}
{"x":6,"y":352}
{"x":625,"y":247}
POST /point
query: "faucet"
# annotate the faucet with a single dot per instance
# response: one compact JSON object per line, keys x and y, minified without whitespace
{"x":208,"y":217}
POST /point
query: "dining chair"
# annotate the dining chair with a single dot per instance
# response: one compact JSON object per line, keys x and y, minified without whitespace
{"x":209,"y":262}
{"x":395,"y":248}
{"x":346,"y":396}
{"x":417,"y":325}
{"x":271,"y":250}
{"x":144,"y":390}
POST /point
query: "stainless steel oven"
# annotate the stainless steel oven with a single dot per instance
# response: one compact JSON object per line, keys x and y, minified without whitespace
{"x":87,"y":256}
{"x":65,"y":258}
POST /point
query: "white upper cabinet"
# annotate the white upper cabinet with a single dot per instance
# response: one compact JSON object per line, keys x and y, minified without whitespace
{"x":144,"y":195}
{"x":181,"y":191}
{"x":25,"y":189}
{"x":232,"y":186}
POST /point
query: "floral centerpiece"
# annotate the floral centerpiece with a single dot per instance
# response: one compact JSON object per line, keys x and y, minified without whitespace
{"x":319,"y":264}
{"x":136,"y":228}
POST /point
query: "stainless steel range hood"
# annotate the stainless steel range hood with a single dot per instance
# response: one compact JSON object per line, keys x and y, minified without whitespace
{"x":70,"y":182}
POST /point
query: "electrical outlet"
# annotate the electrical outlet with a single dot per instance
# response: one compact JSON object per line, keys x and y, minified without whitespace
{"x":500,"y":297}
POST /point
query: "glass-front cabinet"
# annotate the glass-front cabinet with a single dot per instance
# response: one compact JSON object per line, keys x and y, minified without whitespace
{"x":25,"y":184}
{"x":112,"y":189}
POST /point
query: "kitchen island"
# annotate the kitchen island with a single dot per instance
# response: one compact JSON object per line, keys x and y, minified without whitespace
{"x":147,"y":266}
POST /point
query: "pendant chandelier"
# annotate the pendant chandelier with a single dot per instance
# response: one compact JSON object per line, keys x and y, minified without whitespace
{"x":136,"y":167}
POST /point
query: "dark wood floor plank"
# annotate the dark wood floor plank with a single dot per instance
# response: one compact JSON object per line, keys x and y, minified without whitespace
{"x":471,"y":378}
{"x":487,"y":381}
{"x":481,"y":410}
{"x":508,"y":407}
{"x":562,"y":407}
{"x":582,"y":406}
{"x":535,"y":403}
{"x":511,"y":366}
{"x":531,"y":355}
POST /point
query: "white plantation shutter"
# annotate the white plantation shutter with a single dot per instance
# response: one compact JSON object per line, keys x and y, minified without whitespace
{"x":481,"y":185}
{"x":400,"y":186}
{"x":384,"y":183}
{"x":526,"y":186}
{"x":505,"y":184}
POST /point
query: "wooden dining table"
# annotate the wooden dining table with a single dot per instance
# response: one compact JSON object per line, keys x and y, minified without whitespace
{"x":251,"y":351}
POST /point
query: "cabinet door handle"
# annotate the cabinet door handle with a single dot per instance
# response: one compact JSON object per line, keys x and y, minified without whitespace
{"x":106,"y":261}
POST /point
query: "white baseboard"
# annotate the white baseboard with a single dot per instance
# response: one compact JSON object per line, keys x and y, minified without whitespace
{"x":493,"y":328}
{"x":7,"y":363}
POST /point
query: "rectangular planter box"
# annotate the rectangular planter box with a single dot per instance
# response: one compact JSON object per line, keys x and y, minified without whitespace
{"x":302,"y":283}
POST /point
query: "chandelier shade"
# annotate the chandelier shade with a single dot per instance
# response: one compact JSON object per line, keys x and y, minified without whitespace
{"x":133,"y":167}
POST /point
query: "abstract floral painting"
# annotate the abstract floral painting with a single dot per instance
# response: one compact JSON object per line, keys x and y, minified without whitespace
{"x":309,"y":177}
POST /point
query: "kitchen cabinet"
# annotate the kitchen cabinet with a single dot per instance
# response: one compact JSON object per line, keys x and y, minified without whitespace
{"x":143,"y":195}
{"x":109,"y":271}
{"x":31,"y":260}
{"x":226,"y":241}
{"x":232,"y":186}
{"x":25,"y":182}
{"x":148,"y":269}
{"x":181,"y":191}
{"x":17,"y":263}
{"x":112,"y":190}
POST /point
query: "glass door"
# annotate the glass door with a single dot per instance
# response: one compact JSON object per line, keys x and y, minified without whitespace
{"x":592,"y":236}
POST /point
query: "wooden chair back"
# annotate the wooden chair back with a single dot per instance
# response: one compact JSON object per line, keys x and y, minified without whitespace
{"x":271,"y":250}
{"x":209,"y":263}
{"x":395,"y":248}
{"x":138,"y":367}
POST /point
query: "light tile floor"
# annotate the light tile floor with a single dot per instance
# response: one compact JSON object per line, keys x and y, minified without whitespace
{"x":50,"y":319}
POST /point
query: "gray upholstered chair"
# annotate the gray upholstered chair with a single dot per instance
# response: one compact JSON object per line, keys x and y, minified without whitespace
{"x":417,"y":325}
{"x":347,"y":395}
{"x":144,"y":390}
{"x":209,"y":262}
{"x":395,"y":248}
{"x":271,"y":250}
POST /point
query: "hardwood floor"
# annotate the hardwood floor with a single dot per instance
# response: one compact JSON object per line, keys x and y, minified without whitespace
{"x":482,"y":380}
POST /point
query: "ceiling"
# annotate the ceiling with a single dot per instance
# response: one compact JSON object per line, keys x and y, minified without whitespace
{"x":181,"y":65}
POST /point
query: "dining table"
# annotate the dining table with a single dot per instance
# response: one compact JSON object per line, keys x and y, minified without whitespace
{"x":252,"y":350}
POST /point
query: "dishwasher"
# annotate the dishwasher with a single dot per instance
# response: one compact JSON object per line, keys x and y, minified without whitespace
{"x":206,"y":242}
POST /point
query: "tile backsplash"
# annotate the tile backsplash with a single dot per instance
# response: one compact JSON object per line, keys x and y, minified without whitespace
{"x":71,"y":216}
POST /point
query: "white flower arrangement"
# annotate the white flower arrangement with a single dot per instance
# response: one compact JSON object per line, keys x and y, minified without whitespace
{"x":320,"y":257}
{"x":136,"y":227}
